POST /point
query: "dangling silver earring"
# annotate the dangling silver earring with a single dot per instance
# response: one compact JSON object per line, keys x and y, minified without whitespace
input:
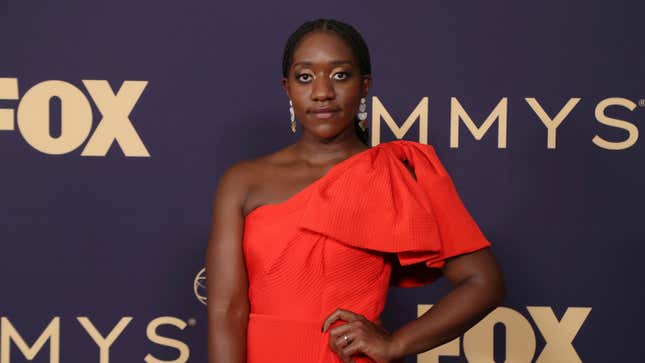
{"x":293,"y":117}
{"x":362,"y":115}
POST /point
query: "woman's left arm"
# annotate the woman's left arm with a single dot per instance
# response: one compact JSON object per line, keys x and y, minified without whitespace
{"x":478,"y":288}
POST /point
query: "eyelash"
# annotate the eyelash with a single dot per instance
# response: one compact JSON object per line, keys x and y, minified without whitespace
{"x":346,"y":75}
{"x":299,"y":77}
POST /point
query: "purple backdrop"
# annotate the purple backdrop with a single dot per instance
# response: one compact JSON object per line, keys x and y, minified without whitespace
{"x":90,"y":240}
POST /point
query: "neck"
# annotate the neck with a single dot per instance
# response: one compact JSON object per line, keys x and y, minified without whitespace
{"x":321,"y":151}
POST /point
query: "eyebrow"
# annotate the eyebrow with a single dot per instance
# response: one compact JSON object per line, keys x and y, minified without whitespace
{"x":335,"y":63}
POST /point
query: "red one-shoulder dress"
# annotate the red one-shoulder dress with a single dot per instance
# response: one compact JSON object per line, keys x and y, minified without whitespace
{"x":330,"y":245}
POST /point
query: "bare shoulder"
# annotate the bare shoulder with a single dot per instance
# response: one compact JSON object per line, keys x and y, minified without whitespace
{"x":243,"y":176}
{"x":237,"y":174}
{"x":233,"y":185}
{"x":267,"y":166}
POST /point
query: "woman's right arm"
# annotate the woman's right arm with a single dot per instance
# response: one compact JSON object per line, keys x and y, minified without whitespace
{"x":226,"y":278}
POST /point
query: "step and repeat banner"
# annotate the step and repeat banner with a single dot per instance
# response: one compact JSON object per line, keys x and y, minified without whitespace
{"x":117,"y":119}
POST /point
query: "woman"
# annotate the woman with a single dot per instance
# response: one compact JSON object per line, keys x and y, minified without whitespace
{"x":305,"y":241}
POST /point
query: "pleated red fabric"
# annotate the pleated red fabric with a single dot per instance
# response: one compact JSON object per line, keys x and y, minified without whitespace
{"x":331,"y":245}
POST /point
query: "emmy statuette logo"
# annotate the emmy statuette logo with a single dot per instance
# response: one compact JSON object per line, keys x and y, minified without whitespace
{"x":199,"y":286}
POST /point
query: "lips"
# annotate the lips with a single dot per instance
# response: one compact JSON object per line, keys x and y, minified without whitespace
{"x":326,"y":112}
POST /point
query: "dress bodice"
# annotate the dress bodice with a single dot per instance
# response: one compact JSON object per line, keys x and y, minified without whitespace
{"x":326,"y":247}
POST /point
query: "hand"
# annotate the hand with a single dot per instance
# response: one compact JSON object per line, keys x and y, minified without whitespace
{"x":363,"y":336}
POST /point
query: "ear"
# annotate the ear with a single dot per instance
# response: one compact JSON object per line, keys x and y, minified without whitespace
{"x":366,"y":83}
{"x":285,"y":87}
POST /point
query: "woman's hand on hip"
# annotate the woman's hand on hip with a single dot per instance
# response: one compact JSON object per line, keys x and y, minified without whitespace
{"x":359,"y":335}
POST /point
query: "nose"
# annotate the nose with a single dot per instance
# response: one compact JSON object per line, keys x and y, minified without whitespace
{"x":323,"y":89}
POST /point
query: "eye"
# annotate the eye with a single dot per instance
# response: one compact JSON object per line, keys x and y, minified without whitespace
{"x":340,"y":76}
{"x":304,"y":77}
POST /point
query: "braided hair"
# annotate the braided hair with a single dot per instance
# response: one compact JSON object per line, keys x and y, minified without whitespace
{"x":346,"y":32}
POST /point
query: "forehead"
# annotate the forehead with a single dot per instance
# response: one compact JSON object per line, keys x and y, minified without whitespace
{"x":322,"y":47}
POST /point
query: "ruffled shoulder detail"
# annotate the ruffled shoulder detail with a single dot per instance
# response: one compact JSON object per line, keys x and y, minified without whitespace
{"x":372,"y":201}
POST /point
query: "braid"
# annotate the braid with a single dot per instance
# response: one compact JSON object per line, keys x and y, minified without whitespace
{"x":353,"y":39}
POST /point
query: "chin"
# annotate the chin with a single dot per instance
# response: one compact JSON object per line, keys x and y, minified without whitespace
{"x":326,"y":130}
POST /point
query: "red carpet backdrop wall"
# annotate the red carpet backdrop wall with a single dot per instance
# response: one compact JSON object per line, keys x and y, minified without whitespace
{"x":117,"y":119}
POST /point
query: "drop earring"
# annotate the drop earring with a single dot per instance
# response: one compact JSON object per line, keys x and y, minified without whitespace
{"x":293,"y":117}
{"x":362,"y":115}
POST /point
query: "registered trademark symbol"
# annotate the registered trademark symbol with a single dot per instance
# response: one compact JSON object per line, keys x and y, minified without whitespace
{"x":641,"y":102}
{"x":192,"y":322}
